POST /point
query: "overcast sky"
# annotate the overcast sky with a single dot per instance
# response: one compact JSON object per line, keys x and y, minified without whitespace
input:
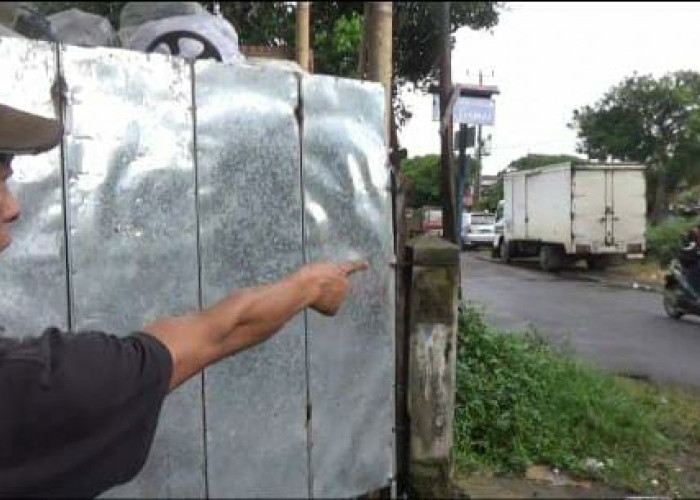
{"x":551,"y":58}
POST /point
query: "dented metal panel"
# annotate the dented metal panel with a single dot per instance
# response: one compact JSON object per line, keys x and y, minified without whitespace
{"x":33,"y":268}
{"x":133,"y":227}
{"x":250,"y":214}
{"x":149,"y":231}
{"x":347,"y":215}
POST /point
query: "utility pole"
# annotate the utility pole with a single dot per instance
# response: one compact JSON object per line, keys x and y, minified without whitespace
{"x":477,"y":181}
{"x":302,"y":35}
{"x":447,"y":177}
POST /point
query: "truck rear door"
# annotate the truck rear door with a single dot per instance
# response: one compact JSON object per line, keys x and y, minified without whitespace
{"x":629,"y":209}
{"x":592,"y":209}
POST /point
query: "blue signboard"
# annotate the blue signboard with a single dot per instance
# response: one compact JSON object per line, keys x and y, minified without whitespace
{"x":474,"y":110}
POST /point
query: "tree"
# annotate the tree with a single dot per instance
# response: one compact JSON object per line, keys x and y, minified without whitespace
{"x":491,"y":196}
{"x":423,"y":175}
{"x":648,"y":121}
{"x":423,"y":180}
{"x":531,"y":161}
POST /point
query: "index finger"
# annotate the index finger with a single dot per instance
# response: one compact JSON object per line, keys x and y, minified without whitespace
{"x":354,"y":266}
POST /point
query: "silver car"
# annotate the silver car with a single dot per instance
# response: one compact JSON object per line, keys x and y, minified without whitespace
{"x":478,"y":229}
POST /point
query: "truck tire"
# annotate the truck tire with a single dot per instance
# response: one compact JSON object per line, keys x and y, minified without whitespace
{"x":504,"y":252}
{"x":599,"y":263}
{"x":551,"y":258}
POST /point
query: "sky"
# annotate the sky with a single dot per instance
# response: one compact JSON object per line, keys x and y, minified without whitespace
{"x":549,"y":58}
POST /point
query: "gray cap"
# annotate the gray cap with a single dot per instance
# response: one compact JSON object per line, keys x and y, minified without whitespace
{"x":25,"y":133}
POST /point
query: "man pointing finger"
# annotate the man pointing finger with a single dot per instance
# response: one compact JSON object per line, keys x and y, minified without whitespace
{"x":78,"y":410}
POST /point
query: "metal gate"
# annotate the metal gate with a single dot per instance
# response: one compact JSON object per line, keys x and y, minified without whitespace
{"x":176,"y":183}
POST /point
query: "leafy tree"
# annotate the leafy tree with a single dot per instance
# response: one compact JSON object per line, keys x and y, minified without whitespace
{"x":491,"y":196}
{"x":655,"y":122}
{"x":423,"y":176}
{"x":531,"y":161}
{"x":423,"y":180}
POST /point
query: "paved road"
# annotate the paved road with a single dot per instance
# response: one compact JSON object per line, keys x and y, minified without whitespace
{"x":623,"y":331}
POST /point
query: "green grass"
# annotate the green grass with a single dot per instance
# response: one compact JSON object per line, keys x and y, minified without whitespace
{"x":520,"y":403}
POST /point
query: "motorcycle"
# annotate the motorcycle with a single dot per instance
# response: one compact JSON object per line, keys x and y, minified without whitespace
{"x":680,"y":297}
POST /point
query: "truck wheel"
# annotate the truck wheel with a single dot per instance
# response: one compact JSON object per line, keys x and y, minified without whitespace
{"x":504,"y":252}
{"x":551,"y":258}
{"x":597,"y":263}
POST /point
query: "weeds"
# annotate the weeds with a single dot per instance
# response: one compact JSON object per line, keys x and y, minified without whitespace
{"x":521,"y":402}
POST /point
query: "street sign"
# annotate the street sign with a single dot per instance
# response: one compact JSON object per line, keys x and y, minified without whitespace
{"x":474,"y":110}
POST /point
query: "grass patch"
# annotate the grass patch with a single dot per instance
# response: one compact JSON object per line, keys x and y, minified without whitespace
{"x":520,"y":402}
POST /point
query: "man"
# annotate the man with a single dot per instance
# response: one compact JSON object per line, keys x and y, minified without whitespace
{"x":78,"y":411}
{"x":689,"y":257}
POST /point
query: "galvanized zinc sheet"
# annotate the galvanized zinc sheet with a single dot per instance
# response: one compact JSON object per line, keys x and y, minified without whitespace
{"x":347,"y":215}
{"x":133,"y":227}
{"x":33,"y":268}
{"x":250,"y":222}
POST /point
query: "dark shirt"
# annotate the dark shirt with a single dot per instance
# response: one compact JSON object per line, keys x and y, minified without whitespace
{"x":77,"y":411}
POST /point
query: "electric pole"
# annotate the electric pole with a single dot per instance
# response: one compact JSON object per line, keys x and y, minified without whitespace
{"x":477,"y":180}
{"x":447,"y":177}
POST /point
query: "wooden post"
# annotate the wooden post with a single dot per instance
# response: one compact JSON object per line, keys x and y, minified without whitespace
{"x":379,"y":47}
{"x":302,"y":34}
{"x":432,"y":364}
{"x":447,"y":169}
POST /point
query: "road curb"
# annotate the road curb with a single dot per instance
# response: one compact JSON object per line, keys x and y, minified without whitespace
{"x":623,"y":285}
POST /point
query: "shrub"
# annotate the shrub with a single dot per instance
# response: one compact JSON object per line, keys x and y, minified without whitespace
{"x":520,"y":402}
{"x":664,"y":239}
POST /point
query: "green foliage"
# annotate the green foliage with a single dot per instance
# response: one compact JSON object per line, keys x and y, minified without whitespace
{"x":337,"y":50}
{"x":531,"y":161}
{"x":491,"y":196}
{"x":664,"y":239}
{"x":423,"y":175}
{"x":520,"y":402}
{"x":655,"y":122}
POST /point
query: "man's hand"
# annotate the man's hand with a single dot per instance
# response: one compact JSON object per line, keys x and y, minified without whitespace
{"x":249,"y":316}
{"x":329,"y":283}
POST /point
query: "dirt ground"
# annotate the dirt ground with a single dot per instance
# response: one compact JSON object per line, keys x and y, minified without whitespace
{"x":497,"y":487}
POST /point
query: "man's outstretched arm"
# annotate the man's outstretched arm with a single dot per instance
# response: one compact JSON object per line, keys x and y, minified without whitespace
{"x":249,"y":316}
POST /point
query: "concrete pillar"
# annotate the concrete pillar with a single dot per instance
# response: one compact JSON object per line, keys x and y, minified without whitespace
{"x":432,"y":363}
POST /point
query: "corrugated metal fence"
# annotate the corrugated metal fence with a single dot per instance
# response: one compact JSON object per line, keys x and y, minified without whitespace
{"x":176,"y":183}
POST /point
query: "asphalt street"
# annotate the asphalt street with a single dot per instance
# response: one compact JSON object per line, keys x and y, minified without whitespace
{"x":623,"y":331}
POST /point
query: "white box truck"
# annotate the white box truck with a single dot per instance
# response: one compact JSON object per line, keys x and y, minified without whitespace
{"x":568,"y":212}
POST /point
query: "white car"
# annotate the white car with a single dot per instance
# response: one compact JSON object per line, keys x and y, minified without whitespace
{"x":478,"y":229}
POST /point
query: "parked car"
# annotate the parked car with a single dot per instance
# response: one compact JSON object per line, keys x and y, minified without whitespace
{"x":478,"y":229}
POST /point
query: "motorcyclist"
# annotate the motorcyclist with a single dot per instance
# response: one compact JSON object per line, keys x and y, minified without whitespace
{"x":690,"y":256}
